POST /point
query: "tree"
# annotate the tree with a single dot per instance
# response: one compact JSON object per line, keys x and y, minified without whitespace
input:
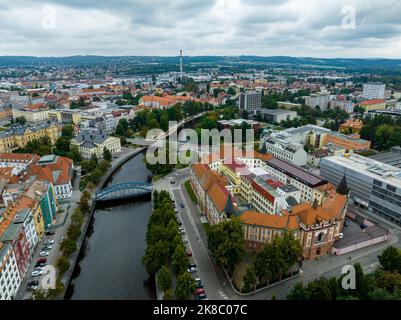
{"x":122,"y":127}
{"x":68,"y":246}
{"x":21,"y":120}
{"x":390,"y":259}
{"x":226,"y":242}
{"x":387,"y":136}
{"x":298,"y":292}
{"x":168,"y":294}
{"x":180,"y":259}
{"x":164,"y":278}
{"x":62,"y":265}
{"x":250,"y":279}
{"x":185,"y":286}
{"x":155,"y":256}
{"x":68,"y":131}
{"x":107,"y":154}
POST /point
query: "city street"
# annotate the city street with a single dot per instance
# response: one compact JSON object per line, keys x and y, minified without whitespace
{"x":215,"y":281}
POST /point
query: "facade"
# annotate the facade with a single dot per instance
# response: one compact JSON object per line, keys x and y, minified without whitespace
{"x":18,"y":161}
{"x":313,"y":187}
{"x":65,"y":116}
{"x":26,"y":219}
{"x":250,"y":101}
{"x":347,"y":106}
{"x":348,"y":142}
{"x":91,"y":142}
{"x":276,"y":115}
{"x":374,"y":185}
{"x":393,"y":113}
{"x":291,"y":152}
{"x":373,"y":91}
{"x":374,"y":104}
{"x":288,"y":105}
{"x":229,"y":124}
{"x":351,"y":126}
{"x":18,"y":136}
{"x":318,"y":99}
{"x":10,"y":279}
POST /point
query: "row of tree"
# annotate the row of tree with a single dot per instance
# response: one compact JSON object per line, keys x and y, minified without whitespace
{"x":382,"y":284}
{"x":165,"y":248}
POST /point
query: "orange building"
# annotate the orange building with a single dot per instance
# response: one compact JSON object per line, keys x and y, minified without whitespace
{"x":351,"y":126}
{"x":348,"y":142}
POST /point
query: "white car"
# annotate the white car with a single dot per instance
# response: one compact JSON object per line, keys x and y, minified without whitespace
{"x":341,"y":235}
{"x":44,"y":254}
{"x":36,"y":273}
{"x":49,"y":241}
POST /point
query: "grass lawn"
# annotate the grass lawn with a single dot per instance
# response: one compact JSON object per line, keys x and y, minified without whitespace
{"x":190,"y":192}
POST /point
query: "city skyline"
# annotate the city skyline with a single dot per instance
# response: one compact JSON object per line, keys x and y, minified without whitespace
{"x":308,"y":28}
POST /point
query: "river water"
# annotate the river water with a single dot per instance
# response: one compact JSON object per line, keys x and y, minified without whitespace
{"x":110,"y":264}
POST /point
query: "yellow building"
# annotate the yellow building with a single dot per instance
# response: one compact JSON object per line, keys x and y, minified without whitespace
{"x":18,"y":136}
{"x":66,"y":116}
{"x":373,"y":104}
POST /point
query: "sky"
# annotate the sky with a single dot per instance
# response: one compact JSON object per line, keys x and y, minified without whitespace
{"x":301,"y":28}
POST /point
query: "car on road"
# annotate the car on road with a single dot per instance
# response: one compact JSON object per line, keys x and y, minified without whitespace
{"x":346,"y":223}
{"x":179,"y":222}
{"x":49,"y":242}
{"x":189,"y":253}
{"x":43,"y":253}
{"x":31,"y":288}
{"x":38,"y":269}
{"x":181,"y":230}
{"x":201,"y":296}
{"x":198,"y":283}
{"x":185,"y":240}
{"x":47,"y":248}
{"x":40,"y":264}
{"x":363,"y":226}
{"x":172,"y":182}
{"x":36,"y":273}
{"x":192,"y":268}
{"x":41,"y":260}
{"x":341,"y":235}
{"x":182,"y":205}
{"x":61,"y":240}
{"x":50,"y":233}
{"x":33,"y":283}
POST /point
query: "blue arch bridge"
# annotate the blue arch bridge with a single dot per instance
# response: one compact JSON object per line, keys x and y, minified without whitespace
{"x":122,"y":191}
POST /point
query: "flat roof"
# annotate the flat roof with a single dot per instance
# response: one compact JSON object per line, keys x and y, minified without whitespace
{"x":391,"y":158}
{"x":297,"y":173}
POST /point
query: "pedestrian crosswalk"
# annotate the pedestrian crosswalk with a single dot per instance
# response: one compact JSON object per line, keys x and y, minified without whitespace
{"x":223,"y":295}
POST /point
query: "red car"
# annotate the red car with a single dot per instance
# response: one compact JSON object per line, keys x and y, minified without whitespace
{"x":200,"y":291}
{"x":41,"y":260}
{"x":189,"y":253}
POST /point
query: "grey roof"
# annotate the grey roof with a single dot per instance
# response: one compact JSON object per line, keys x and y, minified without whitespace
{"x":275,"y":111}
{"x":17,"y":129}
{"x":47,"y":159}
{"x":92,"y":136}
{"x":11,"y":232}
{"x":4,"y":249}
{"x":291,"y":201}
{"x":289,"y":188}
{"x":21,"y":215}
{"x":391,"y":158}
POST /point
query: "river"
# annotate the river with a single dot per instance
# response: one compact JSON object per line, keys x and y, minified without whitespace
{"x":110,"y":264}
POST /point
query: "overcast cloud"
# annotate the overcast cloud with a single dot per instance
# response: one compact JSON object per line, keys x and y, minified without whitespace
{"x":201,"y":27}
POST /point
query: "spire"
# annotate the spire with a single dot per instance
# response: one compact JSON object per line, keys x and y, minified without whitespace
{"x":342,"y":187}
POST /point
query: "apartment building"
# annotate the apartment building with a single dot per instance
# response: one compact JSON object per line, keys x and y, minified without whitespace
{"x":32,"y":113}
{"x":373,"y":90}
{"x":10,"y":279}
{"x":18,"y":161}
{"x":285,"y":150}
{"x":347,"y":106}
{"x":250,"y":101}
{"x":374,"y":185}
{"x":319,"y":99}
{"x":373,"y":104}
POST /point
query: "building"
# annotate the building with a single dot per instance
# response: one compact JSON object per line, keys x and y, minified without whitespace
{"x":32,"y":113}
{"x":312,"y":186}
{"x":373,"y":91}
{"x":284,"y":150}
{"x":93,"y":142}
{"x":230,"y":124}
{"x":6,"y":113}
{"x":26,"y":219}
{"x":393,"y":113}
{"x":17,"y":136}
{"x":65,"y":116}
{"x":18,"y":161}
{"x":347,"y":106}
{"x":318,"y":99}
{"x":315,"y":226}
{"x":56,"y":170}
{"x":10,"y":279}
{"x":276,"y":115}
{"x":374,"y":185}
{"x":392,"y":157}
{"x":351,"y":126}
{"x":348,"y":142}
{"x":288,"y":105}
{"x":250,"y":101}
{"x":374,"y":104}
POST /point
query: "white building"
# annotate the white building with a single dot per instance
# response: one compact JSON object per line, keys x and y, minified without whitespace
{"x":10,"y":279}
{"x":20,"y":162}
{"x":373,"y":91}
{"x":250,"y":101}
{"x":25,"y":217}
{"x":290,"y":152}
{"x":318,"y":99}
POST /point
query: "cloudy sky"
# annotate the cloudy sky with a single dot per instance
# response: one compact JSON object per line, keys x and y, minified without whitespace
{"x":317,"y":28}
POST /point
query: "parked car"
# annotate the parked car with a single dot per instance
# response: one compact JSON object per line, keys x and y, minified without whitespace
{"x":49,"y":241}
{"x":182,"y":231}
{"x":50,"y":233}
{"x":44,"y":254}
{"x":40,"y":264}
{"x":33,"y":283}
{"x":363,"y":226}
{"x":41,"y":260}
{"x":200,"y":291}
{"x":179,"y":222}
{"x":199,"y":283}
{"x":47,"y":248}
{"x":201,"y":296}
{"x":192,"y":268}
{"x":182,"y":205}
{"x":189,"y":253}
{"x":36,"y":273}
{"x":61,"y":240}
{"x":38,"y":269}
{"x":185,"y":240}
{"x":346,"y":223}
{"x":341,"y":235}
{"x":31,"y":288}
